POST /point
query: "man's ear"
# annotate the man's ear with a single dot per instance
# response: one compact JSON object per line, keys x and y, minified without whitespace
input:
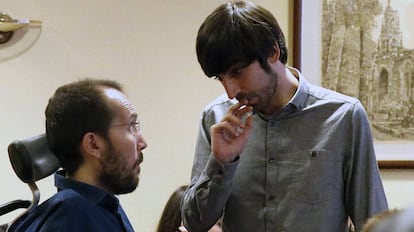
{"x":276,"y":54}
{"x":92,"y":145}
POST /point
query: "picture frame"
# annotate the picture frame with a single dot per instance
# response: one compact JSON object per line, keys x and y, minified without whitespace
{"x":307,"y":57}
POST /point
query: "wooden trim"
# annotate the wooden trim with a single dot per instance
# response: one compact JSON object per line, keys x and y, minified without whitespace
{"x":297,"y":34}
{"x":396,"y":164}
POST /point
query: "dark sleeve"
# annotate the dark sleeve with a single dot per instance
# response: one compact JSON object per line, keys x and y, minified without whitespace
{"x":70,"y":215}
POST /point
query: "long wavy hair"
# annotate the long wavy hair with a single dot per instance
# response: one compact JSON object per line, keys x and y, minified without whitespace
{"x":171,"y":216}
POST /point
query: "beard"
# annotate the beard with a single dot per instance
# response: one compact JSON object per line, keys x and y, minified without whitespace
{"x":116,"y":176}
{"x":264,"y":95}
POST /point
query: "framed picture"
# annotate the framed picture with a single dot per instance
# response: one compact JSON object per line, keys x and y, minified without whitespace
{"x":365,"y":51}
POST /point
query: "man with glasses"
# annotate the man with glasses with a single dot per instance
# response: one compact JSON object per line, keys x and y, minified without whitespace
{"x":94,"y":131}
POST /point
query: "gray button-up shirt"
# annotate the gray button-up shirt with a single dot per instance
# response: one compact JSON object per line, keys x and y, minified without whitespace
{"x":307,"y":168}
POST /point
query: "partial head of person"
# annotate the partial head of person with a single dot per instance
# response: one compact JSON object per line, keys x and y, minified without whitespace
{"x":233,"y":37}
{"x":238,"y":32}
{"x":171,"y":216}
{"x":383,"y":221}
{"x":94,"y":131}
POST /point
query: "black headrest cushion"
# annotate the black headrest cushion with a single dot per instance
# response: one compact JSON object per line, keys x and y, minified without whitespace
{"x":32,"y":159}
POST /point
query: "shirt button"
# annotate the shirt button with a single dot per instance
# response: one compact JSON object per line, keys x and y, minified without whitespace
{"x":271,"y":123}
{"x":271,"y":160}
{"x":271,"y":198}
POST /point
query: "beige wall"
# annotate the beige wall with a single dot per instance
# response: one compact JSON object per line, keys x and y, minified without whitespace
{"x":148,"y":45}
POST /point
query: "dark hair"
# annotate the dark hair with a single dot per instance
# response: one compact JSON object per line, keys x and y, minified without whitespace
{"x":74,"y":110}
{"x":238,"y":32}
{"x":171,"y":216}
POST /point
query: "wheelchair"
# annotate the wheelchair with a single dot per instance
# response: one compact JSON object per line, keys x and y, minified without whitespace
{"x":32,"y":161}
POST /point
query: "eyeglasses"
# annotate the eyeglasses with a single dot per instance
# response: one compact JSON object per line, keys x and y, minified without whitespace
{"x":134,"y":127}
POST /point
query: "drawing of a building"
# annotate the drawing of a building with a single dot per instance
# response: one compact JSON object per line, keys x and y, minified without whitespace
{"x":379,"y":73}
{"x":393,"y":80}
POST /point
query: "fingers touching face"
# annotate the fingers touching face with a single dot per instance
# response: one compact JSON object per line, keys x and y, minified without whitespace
{"x":236,"y":118}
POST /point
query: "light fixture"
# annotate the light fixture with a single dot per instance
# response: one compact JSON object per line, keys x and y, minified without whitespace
{"x":17,"y":35}
{"x":15,"y":24}
{"x":8,"y":25}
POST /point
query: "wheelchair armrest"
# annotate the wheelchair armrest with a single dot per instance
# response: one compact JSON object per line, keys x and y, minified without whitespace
{"x":13,"y":205}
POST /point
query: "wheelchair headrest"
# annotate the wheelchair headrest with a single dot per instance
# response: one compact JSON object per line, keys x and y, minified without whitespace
{"x":32,"y":159}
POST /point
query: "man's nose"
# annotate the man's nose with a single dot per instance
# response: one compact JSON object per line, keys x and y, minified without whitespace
{"x":141,"y":143}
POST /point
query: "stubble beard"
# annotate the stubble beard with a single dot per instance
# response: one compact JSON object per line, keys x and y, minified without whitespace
{"x":115,"y":176}
{"x":266,"y":94}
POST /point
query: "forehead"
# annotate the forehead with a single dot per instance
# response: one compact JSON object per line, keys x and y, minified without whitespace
{"x":120,"y":103}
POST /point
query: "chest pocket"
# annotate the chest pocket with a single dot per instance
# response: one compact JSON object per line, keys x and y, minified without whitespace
{"x":315,"y":176}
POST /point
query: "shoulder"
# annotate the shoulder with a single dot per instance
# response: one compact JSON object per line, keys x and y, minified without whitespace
{"x":217,"y":108}
{"x":332,"y":101}
{"x":221,"y":102}
{"x":66,"y":202}
{"x":58,"y":211}
{"x":320,"y":93}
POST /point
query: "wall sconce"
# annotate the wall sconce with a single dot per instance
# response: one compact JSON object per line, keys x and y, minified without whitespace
{"x":8,"y":25}
{"x":17,"y":35}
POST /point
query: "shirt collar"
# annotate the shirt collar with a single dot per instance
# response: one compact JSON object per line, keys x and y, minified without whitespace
{"x":90,"y":192}
{"x":298,"y":100}
{"x":301,"y":95}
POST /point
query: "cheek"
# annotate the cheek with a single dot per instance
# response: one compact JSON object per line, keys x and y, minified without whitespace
{"x":127,"y":145}
{"x":130,"y":150}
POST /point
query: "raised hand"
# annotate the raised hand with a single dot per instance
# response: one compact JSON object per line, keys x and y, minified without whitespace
{"x":229,"y":136}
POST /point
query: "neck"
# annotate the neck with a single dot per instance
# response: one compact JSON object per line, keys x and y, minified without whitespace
{"x":286,"y":89}
{"x":88,"y":175}
{"x":83,"y":175}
